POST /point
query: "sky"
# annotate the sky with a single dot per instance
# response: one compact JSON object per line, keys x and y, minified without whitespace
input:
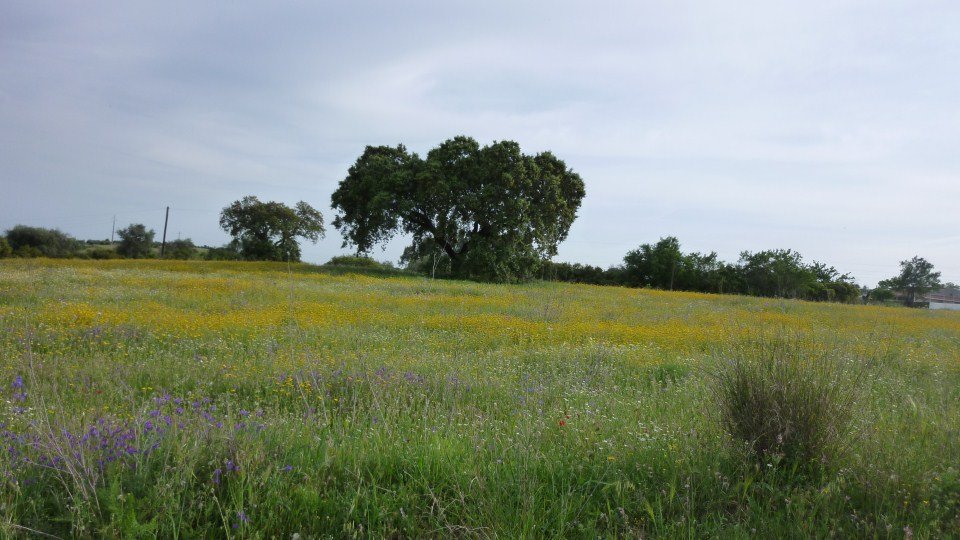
{"x":829,"y":128}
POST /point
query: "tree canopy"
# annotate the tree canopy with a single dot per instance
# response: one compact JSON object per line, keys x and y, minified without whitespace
{"x":268,"y":231}
{"x":489,"y":212}
{"x":776,"y":272}
{"x":654,"y":266}
{"x":135,"y":241}
{"x":916,"y":279}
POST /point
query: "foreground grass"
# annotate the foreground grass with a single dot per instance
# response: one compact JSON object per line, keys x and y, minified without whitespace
{"x":185,"y":399}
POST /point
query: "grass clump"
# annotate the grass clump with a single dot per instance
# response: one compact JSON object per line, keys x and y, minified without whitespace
{"x":788,"y":403}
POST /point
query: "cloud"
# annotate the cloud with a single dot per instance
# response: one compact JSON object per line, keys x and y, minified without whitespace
{"x":828,"y":128}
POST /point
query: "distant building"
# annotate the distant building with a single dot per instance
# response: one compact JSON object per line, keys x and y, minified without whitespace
{"x":944,"y":299}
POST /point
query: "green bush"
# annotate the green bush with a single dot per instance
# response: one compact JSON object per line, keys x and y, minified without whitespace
{"x":348,"y":260}
{"x":5,"y":249}
{"x":180,"y":249}
{"x":786,"y":400}
{"x":101,"y":253}
{"x":27,"y":252}
{"x":227,"y":252}
{"x":39,"y":242}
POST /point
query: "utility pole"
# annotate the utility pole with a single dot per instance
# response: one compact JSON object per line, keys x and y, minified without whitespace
{"x":163,"y":244}
{"x":113,"y":228}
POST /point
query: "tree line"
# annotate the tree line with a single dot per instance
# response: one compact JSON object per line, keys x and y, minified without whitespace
{"x":486,"y":213}
{"x":777,"y":273}
{"x":780,"y":273}
{"x":136,"y":242}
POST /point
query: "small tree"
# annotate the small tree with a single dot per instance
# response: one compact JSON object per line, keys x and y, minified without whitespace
{"x":268,"y":231}
{"x":776,"y":273}
{"x":916,"y":279}
{"x":136,"y":241}
{"x":654,"y":266}
{"x":5,"y":249}
{"x":699,"y":272}
{"x":881,"y":294}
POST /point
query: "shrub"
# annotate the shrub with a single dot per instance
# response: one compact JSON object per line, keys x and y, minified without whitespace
{"x":39,"y":242}
{"x":180,"y":249}
{"x":227,"y":252}
{"x":101,"y":253}
{"x":27,"y":252}
{"x":348,"y":260}
{"x":788,"y":401}
{"x":5,"y":249}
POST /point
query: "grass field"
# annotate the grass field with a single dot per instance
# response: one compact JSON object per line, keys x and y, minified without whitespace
{"x":191,"y":399}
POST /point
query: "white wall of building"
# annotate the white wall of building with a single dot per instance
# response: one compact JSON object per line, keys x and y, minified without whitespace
{"x":941,"y":305}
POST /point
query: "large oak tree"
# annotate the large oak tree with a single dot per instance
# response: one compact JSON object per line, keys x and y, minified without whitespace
{"x":492,"y":212}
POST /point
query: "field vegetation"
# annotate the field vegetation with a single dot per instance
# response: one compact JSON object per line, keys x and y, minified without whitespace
{"x":184,"y":399}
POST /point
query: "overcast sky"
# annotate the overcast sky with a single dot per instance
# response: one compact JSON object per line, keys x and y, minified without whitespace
{"x":833,"y":130}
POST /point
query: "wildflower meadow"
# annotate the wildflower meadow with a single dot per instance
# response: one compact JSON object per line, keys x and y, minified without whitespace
{"x":265,"y":400}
